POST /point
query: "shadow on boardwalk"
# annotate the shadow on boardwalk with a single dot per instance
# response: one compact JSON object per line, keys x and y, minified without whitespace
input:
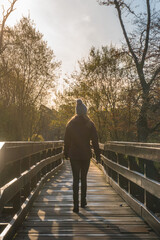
{"x":106,"y":217}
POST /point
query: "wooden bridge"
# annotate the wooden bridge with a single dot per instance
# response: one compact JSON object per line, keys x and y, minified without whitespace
{"x":36,"y":193}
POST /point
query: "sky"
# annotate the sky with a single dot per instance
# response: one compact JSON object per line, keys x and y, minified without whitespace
{"x":71,"y":27}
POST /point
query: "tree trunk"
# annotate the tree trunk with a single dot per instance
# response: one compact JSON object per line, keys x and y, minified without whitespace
{"x":142,"y":122}
{"x":142,"y":130}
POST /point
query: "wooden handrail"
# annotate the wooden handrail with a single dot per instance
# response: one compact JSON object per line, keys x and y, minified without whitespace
{"x":26,"y":166}
{"x":131,"y":169}
{"x":136,"y":143}
{"x":13,"y":151}
{"x":17,"y":157}
{"x":150,"y":152}
{"x":10,"y":189}
{"x":137,"y":178}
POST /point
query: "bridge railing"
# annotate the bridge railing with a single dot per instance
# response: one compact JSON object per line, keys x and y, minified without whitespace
{"x":133,"y":169}
{"x":24,"y":167}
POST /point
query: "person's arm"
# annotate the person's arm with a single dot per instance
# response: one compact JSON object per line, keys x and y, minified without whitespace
{"x":94,"y":139}
{"x":66,"y":142}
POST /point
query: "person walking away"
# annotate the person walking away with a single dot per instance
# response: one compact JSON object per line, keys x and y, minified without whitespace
{"x":79,"y":132}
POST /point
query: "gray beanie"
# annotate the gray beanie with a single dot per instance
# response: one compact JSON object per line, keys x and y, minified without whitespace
{"x":81,"y":108}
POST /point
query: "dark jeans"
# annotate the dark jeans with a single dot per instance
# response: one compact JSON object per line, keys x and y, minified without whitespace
{"x":79,"y":168}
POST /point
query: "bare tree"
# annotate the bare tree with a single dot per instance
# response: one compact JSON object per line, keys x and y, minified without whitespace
{"x":143,"y":47}
{"x":5,"y":16}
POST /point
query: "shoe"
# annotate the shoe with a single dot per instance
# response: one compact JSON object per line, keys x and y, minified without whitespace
{"x":76,"y":209}
{"x":83,"y":203}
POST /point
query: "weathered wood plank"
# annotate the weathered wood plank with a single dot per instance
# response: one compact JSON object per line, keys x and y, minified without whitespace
{"x":151,"y":152}
{"x":138,"y":207}
{"x":148,"y":184}
{"x":20,"y":215}
{"x":66,"y":236}
{"x":12,"y":188}
{"x":107,"y":216}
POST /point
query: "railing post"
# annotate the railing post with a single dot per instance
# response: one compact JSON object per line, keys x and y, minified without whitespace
{"x":17,"y":202}
{"x":129,"y":168}
{"x":145,"y":174}
{"x":33,"y":181}
{"x":138,"y":174}
{"x":118,"y":173}
{"x":27,"y":187}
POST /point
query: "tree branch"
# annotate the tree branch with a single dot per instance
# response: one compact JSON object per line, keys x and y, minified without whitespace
{"x":147,"y":33}
{"x":155,"y":106}
{"x":124,"y":31}
{"x":154,"y":76}
{"x":5,"y":17}
{"x":156,"y":128}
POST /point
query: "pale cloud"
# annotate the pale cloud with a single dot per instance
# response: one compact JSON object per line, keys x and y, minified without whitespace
{"x":71,"y":27}
{"x":86,"y":19}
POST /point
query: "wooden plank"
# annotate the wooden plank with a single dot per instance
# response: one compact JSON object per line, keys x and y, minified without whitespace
{"x":64,"y":211}
{"x":97,"y":229}
{"x":107,"y":216}
{"x":83,"y":224}
{"x":13,"y":151}
{"x":72,"y":236}
{"x":139,"y":179}
{"x":150,"y":153}
{"x":11,"y":189}
{"x":136,"y":205}
{"x":103,"y":219}
{"x":137,"y":143}
{"x":110,"y":204}
{"x":18,"y":218}
{"x":154,"y":222}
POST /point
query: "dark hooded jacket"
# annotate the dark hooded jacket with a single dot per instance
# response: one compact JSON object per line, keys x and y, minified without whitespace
{"x":79,"y":132}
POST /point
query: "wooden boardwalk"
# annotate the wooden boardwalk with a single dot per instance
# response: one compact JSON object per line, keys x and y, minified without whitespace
{"x":107,"y":216}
